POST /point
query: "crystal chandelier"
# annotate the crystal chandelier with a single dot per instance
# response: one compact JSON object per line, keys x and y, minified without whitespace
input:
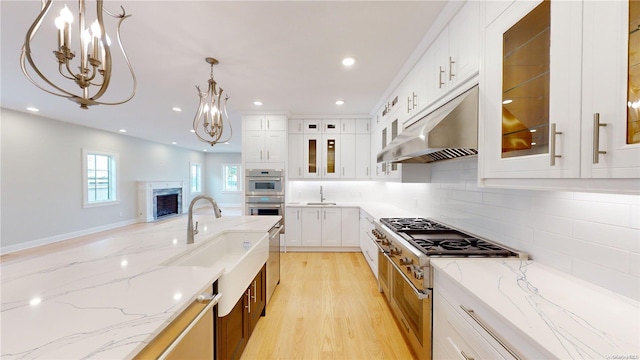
{"x":212,"y":112}
{"x":94,"y":67}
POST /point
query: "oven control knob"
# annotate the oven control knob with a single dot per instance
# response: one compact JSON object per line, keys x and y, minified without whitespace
{"x":405,"y":261}
{"x":417,"y":274}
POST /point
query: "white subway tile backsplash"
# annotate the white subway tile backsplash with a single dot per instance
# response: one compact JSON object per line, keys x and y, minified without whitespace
{"x":622,"y":283}
{"x":619,"y":237}
{"x":606,"y":213}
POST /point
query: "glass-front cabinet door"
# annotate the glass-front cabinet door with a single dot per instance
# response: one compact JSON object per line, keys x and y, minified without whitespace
{"x":611,"y":90}
{"x":312,"y":156}
{"x":532,"y":91}
{"x":331,"y":156}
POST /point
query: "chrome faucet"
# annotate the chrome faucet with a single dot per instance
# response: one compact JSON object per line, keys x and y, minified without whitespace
{"x":190,"y":230}
{"x":322,"y":198}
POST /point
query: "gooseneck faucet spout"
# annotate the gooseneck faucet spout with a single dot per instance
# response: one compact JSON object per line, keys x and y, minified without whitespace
{"x":190,"y":230}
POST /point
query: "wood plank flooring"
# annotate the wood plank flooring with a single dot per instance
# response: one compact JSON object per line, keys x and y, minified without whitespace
{"x":327,"y":306}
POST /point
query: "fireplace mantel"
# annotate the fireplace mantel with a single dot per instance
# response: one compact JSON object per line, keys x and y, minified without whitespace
{"x":146,"y":209}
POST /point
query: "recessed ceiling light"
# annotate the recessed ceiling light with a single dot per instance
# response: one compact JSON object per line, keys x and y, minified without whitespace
{"x":176,"y":109}
{"x":507,"y":101}
{"x":348,"y":61}
{"x":34,"y":109}
{"x":226,"y":143}
{"x":192,"y":130}
{"x":122,"y":130}
{"x":173,"y":143}
{"x":257,"y":103}
{"x":35,"y":301}
{"x":205,"y":150}
{"x":339,"y":102}
{"x":534,"y":143}
{"x":533,"y":130}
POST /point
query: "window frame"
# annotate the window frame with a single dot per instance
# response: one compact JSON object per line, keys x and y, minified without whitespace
{"x":114,"y":171}
{"x":224,"y":178}
{"x":199,"y":190}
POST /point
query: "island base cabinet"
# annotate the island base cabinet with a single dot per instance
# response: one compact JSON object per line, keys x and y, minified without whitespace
{"x":235,"y":328}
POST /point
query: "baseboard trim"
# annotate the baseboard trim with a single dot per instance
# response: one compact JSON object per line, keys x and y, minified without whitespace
{"x":62,"y":237}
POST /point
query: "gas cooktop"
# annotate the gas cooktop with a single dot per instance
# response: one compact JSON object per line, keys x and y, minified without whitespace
{"x":435,"y":239}
{"x":414,"y":224}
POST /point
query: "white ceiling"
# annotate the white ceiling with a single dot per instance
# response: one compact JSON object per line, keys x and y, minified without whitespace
{"x":286,"y":54}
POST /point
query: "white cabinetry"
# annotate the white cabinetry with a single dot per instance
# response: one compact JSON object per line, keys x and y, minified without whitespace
{"x":322,"y":228}
{"x":293,"y":229}
{"x":587,"y":79}
{"x":367,"y":242}
{"x":455,"y":53}
{"x":329,"y":149}
{"x":350,"y":223}
{"x":381,"y":138}
{"x":264,"y":142}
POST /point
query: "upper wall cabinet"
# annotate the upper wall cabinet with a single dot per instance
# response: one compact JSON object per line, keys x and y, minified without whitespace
{"x":554,"y":109}
{"x":453,"y":57}
{"x":329,"y":149}
{"x":264,"y":141}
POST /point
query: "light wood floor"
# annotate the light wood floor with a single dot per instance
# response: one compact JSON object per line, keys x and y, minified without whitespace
{"x":327,"y":306}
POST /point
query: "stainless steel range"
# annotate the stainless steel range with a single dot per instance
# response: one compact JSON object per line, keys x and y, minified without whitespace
{"x":404,"y":272}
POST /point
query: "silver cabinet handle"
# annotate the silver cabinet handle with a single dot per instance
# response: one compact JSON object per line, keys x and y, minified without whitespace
{"x":415,"y":100}
{"x":408,"y":104}
{"x":596,"y":138}
{"x":268,"y":125}
{"x":489,"y":330}
{"x":267,"y":154}
{"x":552,"y":144}
{"x":451,"y":62}
{"x":260,"y":154}
{"x":248,"y":306}
{"x":299,"y":171}
{"x":324,"y":213}
{"x":300,"y":126}
{"x":318,"y":215}
{"x":253,"y":296}
{"x":440,"y":82}
{"x":465,"y":356}
{"x":297,"y":214}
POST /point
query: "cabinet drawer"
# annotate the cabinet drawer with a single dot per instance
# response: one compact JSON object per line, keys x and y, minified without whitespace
{"x":456,"y":339}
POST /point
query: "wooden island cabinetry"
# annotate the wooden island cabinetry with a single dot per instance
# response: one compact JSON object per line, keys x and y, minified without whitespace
{"x":235,"y":328}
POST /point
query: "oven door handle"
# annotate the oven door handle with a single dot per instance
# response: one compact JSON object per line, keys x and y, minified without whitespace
{"x":418,"y":293}
{"x":263,"y":205}
{"x":264,"y":179}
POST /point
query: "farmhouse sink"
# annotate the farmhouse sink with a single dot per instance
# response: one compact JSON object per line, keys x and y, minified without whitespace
{"x":321,"y":203}
{"x":242,"y":255}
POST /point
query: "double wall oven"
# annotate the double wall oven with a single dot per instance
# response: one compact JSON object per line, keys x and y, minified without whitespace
{"x":265,"y":192}
{"x":404,"y":271}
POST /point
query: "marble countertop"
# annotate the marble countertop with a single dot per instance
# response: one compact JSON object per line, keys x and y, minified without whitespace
{"x":106,"y":299}
{"x":571,"y":318}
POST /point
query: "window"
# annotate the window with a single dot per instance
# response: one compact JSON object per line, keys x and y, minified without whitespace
{"x":100,"y":178}
{"x":231,"y":177}
{"x":196,"y":178}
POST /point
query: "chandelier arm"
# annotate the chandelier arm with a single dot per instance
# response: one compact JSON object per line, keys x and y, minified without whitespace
{"x":25,"y":55}
{"x":68,"y":70}
{"x":108,"y":60}
{"x":228,"y":120}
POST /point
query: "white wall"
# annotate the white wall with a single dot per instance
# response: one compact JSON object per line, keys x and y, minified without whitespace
{"x":215,"y":176}
{"x":593,"y":236}
{"x":41,"y":178}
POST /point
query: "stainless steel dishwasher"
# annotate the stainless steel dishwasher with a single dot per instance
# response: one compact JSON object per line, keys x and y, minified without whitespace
{"x":273,"y":262}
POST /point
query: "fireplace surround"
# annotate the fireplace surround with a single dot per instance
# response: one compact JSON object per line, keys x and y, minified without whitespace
{"x":160,"y":199}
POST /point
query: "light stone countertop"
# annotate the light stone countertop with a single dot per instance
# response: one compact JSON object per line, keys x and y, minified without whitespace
{"x":569,"y":317}
{"x":106,"y":299}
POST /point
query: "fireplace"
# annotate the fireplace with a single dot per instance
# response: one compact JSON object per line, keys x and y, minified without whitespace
{"x":166,"y":205}
{"x":160,"y":199}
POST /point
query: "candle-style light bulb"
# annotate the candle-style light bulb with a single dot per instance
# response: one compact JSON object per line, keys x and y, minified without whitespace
{"x":96,"y":32}
{"x":67,"y":19}
{"x":60,"y":25}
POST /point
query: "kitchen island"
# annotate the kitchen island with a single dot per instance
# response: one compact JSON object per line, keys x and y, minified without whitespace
{"x":109,"y":298}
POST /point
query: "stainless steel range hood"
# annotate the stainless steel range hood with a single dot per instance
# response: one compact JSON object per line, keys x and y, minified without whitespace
{"x":448,"y":132}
